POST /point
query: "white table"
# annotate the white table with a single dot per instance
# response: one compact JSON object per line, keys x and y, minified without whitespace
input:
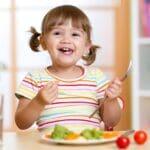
{"x":31,"y":140}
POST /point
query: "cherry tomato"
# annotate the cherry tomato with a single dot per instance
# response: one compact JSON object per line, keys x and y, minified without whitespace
{"x":123,"y":141}
{"x":140,"y":137}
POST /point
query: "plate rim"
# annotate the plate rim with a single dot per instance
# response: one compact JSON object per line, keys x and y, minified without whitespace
{"x":77,"y":142}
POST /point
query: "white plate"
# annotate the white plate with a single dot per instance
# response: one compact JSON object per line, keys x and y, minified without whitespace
{"x":79,"y":141}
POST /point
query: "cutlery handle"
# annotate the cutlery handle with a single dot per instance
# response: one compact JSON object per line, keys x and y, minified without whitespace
{"x":128,"y":132}
{"x":98,"y":107}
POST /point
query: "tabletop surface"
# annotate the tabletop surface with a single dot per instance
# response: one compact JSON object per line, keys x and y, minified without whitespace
{"x":31,"y":139}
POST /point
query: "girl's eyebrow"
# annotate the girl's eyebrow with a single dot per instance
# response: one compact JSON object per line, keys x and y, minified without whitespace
{"x":73,"y":28}
{"x":78,"y":29}
{"x":56,"y":27}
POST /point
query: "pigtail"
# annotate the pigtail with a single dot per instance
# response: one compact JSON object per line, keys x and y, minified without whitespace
{"x":34,"y":41}
{"x":91,"y":56}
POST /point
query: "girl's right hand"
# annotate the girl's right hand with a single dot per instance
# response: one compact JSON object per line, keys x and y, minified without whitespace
{"x":48,"y":93}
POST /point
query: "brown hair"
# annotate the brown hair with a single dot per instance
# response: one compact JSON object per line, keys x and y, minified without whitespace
{"x":58,"y":16}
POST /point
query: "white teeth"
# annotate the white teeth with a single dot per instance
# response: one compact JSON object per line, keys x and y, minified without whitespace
{"x":65,"y":49}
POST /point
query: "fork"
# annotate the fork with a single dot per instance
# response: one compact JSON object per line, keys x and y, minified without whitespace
{"x":122,"y":79}
{"x":128,"y":132}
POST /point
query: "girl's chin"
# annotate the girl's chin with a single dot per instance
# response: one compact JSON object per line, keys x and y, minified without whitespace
{"x":66,"y":60}
{"x":66,"y":63}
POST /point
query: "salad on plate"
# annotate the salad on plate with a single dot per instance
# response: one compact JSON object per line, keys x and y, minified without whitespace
{"x":62,"y":135}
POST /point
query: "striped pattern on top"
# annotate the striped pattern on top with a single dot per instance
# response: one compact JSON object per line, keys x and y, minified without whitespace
{"x":77,"y":98}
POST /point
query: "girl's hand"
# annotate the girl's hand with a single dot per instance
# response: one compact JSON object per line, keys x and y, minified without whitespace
{"x":114,"y":89}
{"x":48,"y":93}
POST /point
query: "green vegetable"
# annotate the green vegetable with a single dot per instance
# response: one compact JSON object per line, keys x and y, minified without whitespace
{"x":97,"y":134}
{"x":87,"y":134}
{"x":60,"y":132}
{"x":92,"y":134}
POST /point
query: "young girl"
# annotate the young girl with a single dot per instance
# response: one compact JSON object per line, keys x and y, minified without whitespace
{"x":65,"y":93}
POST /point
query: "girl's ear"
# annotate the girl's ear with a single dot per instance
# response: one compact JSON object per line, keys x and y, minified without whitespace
{"x":87,"y":50}
{"x":89,"y":43}
{"x":42,"y":42}
{"x":88,"y":46}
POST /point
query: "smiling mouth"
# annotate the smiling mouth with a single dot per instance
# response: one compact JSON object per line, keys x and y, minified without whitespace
{"x":66,"y":50}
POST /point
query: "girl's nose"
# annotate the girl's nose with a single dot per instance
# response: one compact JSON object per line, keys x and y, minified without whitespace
{"x":66,"y":38}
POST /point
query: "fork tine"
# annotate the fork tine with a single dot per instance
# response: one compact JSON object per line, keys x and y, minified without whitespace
{"x":128,"y":71}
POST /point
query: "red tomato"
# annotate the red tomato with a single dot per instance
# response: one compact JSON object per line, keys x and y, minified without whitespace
{"x":122,"y":141}
{"x":140,"y":137}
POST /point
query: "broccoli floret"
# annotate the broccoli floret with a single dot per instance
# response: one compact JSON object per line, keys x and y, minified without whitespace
{"x":60,"y":132}
{"x":97,"y":134}
{"x":87,"y":134}
{"x":92,"y":134}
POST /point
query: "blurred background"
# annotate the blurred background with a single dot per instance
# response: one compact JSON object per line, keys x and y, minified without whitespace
{"x":120,"y":27}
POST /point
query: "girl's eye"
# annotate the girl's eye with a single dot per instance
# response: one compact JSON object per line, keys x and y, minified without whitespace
{"x":57,"y":33}
{"x":75,"y":34}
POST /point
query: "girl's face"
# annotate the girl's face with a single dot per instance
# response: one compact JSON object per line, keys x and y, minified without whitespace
{"x":66,"y":44}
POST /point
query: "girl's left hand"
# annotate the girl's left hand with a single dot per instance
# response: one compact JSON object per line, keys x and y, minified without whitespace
{"x":114,"y":89}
